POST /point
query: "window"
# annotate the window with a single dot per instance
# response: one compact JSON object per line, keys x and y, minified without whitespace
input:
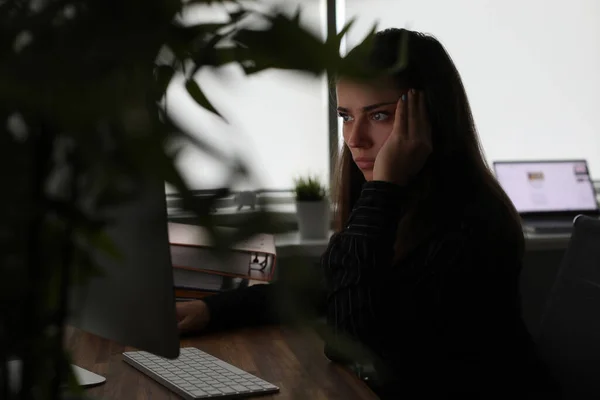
{"x":277,"y":120}
{"x":531,"y":77}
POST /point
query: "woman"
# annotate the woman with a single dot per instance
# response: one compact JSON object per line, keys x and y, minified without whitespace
{"x":423,"y":268}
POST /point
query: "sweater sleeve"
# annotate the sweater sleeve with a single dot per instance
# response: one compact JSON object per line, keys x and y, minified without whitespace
{"x":292,"y":297}
{"x":241,"y":307}
{"x":368,"y":294}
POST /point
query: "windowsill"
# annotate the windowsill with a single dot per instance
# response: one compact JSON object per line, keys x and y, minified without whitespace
{"x":289,"y":244}
{"x":278,"y":208}
{"x":231,"y":216}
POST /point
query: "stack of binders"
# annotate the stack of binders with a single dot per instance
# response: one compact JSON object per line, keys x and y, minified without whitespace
{"x":198,"y":272}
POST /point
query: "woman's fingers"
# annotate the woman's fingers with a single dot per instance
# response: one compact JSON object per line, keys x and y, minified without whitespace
{"x":418,"y":122}
{"x":184,"y":324}
{"x":413,"y":114}
{"x":401,"y":120}
{"x":422,"y":107}
{"x":411,"y":121}
{"x":424,"y":118}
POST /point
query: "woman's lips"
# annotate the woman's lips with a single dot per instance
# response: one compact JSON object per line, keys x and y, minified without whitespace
{"x":365,"y":164}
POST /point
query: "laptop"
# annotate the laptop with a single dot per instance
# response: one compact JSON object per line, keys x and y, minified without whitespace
{"x":548,"y":194}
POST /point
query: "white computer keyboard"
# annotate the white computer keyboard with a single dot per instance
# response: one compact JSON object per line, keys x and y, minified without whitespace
{"x":198,"y":375}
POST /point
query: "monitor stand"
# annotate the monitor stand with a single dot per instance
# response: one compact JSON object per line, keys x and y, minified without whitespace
{"x":84,"y":377}
{"x":87,"y":378}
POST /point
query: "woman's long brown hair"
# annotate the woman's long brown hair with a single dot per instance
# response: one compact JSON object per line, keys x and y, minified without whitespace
{"x":456,"y":172}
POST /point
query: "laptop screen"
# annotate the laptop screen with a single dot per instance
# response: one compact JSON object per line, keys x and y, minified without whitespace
{"x":547,"y":186}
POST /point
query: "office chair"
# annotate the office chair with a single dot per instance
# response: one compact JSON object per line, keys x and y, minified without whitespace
{"x":569,"y":338}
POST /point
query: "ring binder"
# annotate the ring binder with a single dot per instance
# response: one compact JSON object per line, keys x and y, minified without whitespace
{"x":253,"y":258}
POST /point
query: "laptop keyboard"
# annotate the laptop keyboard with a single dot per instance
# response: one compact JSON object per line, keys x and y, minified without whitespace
{"x":198,"y":375}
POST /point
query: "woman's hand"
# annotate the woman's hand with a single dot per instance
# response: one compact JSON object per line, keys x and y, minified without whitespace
{"x":405,"y":151}
{"x":192,"y":315}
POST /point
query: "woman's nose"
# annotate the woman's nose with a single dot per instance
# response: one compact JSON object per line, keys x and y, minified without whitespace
{"x":358,"y":135}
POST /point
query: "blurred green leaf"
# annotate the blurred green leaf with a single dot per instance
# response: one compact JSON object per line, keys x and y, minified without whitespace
{"x":353,"y":64}
{"x":101,"y":241}
{"x":340,"y":36}
{"x":71,"y":212}
{"x":85,"y":267}
{"x":334,"y":43}
{"x":199,"y":143}
{"x":207,"y":54}
{"x":211,"y":2}
{"x":225,"y":55}
{"x":185,"y":41}
{"x":236,"y":16}
{"x":296,"y":18}
{"x":270,"y":48}
{"x":194,"y":90}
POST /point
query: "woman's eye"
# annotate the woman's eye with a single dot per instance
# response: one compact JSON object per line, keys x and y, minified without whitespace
{"x":380,"y":116}
{"x":344,"y":117}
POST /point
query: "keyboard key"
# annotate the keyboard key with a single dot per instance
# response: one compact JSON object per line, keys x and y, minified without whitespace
{"x":229,"y":367}
{"x":239,"y":388}
{"x":188,"y":387}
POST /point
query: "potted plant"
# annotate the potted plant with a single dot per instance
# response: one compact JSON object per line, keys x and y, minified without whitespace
{"x":312,"y":208}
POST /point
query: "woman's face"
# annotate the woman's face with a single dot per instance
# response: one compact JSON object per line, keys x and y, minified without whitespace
{"x":367,"y":112}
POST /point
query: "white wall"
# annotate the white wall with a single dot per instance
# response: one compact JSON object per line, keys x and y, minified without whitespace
{"x":277,"y":120}
{"x":531,"y":68}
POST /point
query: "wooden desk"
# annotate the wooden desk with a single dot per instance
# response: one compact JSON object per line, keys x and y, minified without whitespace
{"x":290,"y":359}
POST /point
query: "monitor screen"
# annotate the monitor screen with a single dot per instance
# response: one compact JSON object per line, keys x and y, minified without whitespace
{"x":548,"y":186}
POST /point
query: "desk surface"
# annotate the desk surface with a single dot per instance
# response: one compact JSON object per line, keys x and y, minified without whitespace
{"x":290,"y":359}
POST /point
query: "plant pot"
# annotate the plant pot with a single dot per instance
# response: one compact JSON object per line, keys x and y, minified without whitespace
{"x":313,"y":219}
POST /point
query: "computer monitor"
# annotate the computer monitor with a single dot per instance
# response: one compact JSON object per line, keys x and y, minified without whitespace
{"x":548,"y":187}
{"x":133,"y":301}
